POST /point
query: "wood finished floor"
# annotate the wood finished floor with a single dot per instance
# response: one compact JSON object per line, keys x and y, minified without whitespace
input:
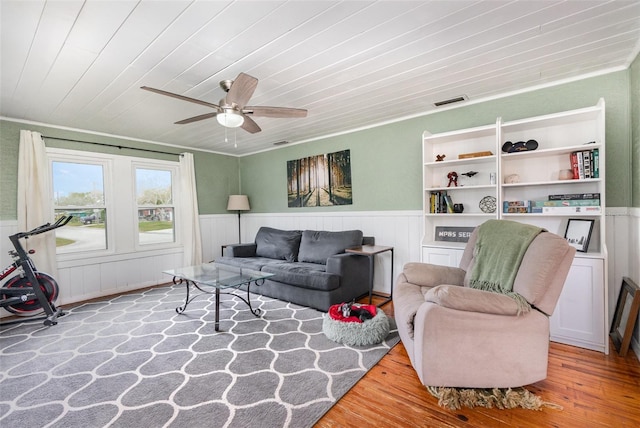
{"x":595,"y":390}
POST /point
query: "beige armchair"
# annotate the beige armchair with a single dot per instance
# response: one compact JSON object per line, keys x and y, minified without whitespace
{"x":458,"y":336}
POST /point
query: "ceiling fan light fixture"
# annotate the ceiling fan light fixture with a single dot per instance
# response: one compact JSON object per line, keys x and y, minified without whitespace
{"x":230,"y":119}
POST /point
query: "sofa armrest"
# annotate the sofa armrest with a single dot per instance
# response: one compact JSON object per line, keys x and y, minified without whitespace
{"x":352,"y":268}
{"x":240,"y":250}
{"x":428,"y":275}
{"x":472,"y":300}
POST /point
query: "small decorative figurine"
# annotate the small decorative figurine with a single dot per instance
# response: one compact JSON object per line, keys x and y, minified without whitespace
{"x":470,"y":173}
{"x":458,"y":208}
{"x":440,"y":158}
{"x":453,"y":179}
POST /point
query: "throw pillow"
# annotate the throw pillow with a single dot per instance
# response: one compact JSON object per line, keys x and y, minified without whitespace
{"x":318,"y":246}
{"x":278,"y":244}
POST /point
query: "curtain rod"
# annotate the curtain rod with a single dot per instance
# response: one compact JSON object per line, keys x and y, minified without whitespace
{"x":112,"y":145}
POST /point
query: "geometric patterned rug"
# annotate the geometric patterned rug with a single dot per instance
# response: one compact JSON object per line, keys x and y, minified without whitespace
{"x":132,"y":361}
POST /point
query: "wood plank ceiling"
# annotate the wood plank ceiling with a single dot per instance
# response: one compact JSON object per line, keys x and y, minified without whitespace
{"x":352,"y":64}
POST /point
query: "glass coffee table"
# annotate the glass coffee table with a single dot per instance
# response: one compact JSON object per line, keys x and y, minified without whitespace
{"x":213,"y":278}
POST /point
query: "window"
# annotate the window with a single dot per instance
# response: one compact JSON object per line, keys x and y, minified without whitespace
{"x":78,"y":190}
{"x":120,"y":204}
{"x":154,"y":198}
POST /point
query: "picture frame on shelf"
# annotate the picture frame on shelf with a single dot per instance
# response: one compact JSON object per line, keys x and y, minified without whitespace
{"x":578,"y":233}
{"x":625,"y":317}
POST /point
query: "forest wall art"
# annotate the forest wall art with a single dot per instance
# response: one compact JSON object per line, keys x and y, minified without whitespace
{"x":321,"y":180}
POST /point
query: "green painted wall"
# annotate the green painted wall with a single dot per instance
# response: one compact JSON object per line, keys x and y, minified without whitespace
{"x":386,"y":161}
{"x":217,"y":176}
{"x":634,"y":72}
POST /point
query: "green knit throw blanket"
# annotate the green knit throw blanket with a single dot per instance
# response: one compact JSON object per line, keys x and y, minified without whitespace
{"x":500,"y":247}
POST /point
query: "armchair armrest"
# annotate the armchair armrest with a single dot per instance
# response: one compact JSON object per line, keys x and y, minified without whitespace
{"x":240,"y":250}
{"x":472,"y":300}
{"x":428,"y":275}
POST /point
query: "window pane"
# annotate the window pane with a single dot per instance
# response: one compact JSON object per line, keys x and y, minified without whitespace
{"x":87,"y":231}
{"x":77,"y":184}
{"x":78,"y":190}
{"x":154,"y":196}
{"x":155,"y":225}
{"x":153,"y":187}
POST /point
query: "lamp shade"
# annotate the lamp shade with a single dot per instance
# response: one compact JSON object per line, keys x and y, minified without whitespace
{"x":238,"y":203}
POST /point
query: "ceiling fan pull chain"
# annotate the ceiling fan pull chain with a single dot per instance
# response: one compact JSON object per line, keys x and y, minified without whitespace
{"x":235,"y":141}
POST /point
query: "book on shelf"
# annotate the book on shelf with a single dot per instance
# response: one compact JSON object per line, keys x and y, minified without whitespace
{"x":570,"y":196}
{"x":440,"y":202}
{"x":595,"y":210}
{"x":580,"y":166}
{"x":585,"y":164}
{"x":568,"y":203}
{"x":449,"y":203}
{"x":573,"y":157}
{"x":517,"y":210}
{"x":516,"y":207}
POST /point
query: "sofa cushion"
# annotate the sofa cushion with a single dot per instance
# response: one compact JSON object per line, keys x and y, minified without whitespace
{"x":278,"y":244}
{"x":253,"y":263}
{"x":318,"y":246}
{"x":304,"y":275}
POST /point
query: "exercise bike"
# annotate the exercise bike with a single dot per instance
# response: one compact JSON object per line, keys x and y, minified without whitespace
{"x":18,"y":295}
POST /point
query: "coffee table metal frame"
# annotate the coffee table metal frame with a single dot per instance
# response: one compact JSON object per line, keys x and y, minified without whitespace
{"x":219,"y":277}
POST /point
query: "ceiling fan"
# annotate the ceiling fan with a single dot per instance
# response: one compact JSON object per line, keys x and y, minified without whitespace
{"x":232,"y":112}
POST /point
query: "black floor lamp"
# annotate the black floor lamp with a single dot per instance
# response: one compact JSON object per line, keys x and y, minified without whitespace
{"x":238,"y":203}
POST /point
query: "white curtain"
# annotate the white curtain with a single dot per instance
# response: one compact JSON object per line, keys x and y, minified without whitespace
{"x":189,"y":207}
{"x":34,"y":200}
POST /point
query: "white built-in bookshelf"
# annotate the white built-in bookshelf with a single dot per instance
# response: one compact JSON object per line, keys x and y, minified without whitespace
{"x":529,"y":186}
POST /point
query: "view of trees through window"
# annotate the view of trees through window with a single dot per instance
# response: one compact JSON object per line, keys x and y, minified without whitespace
{"x":78,"y":190}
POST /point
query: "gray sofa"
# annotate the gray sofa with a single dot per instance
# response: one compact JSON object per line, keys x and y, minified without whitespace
{"x":310,"y":267}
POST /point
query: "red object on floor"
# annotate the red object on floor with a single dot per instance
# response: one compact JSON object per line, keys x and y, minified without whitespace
{"x":336,"y":314}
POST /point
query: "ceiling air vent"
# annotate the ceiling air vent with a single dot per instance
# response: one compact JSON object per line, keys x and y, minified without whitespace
{"x":450,"y":101}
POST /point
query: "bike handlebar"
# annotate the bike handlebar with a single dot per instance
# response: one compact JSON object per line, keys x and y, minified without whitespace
{"x":62,"y":221}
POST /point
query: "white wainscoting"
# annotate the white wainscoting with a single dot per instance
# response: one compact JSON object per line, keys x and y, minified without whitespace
{"x":89,"y":278}
{"x":623,"y":242}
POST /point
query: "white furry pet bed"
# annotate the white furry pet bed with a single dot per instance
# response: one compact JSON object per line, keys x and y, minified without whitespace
{"x":369,"y":332}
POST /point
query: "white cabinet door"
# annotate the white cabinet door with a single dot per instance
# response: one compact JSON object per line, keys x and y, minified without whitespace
{"x":579,"y":316}
{"x":441,"y":256}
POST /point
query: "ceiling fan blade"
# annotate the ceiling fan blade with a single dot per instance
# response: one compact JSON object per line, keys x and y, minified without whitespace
{"x":249,"y":125}
{"x":265,"y":111}
{"x":196,"y":118}
{"x":242,"y":89}
{"x":180,"y":97}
